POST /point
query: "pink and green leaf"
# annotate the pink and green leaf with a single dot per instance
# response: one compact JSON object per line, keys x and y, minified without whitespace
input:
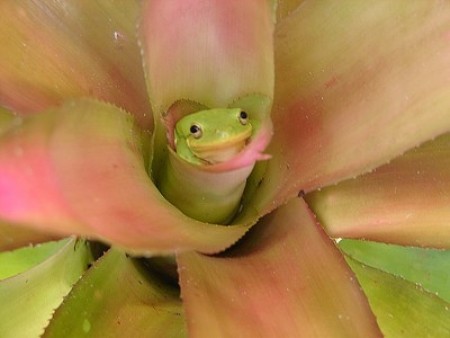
{"x":356,"y":86}
{"x":118,"y":297}
{"x":55,"y":50}
{"x":81,"y":169}
{"x":208,"y":51}
{"x":286,"y":276}
{"x":405,"y":201}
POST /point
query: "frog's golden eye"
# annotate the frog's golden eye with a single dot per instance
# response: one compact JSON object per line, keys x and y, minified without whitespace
{"x":243,"y":118}
{"x":196,"y":131}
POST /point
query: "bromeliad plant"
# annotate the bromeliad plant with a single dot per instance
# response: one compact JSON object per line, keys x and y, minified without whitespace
{"x":157,"y":144}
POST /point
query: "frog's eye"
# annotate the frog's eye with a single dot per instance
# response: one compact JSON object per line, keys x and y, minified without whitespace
{"x":196,"y":131}
{"x":243,"y":118}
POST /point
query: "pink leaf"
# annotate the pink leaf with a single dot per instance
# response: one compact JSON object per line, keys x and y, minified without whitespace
{"x":286,"y":277}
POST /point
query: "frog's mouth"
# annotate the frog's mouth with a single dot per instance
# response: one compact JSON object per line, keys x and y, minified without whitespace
{"x":221,"y":151}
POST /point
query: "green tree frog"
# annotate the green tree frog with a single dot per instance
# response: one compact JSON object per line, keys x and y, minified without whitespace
{"x":212,"y":136}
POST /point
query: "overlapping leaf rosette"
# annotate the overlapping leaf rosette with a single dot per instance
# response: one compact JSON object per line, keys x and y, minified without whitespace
{"x":349,"y":109}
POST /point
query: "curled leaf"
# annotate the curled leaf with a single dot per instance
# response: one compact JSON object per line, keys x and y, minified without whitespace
{"x":81,"y":169}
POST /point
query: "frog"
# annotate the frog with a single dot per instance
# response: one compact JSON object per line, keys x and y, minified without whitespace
{"x":212,"y":136}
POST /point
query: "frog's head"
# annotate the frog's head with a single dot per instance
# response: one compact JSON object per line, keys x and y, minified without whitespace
{"x":213,"y":135}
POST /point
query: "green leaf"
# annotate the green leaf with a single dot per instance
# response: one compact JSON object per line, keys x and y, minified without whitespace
{"x":403,"y":309}
{"x":286,"y":278}
{"x":426,"y":267}
{"x":119,"y":298}
{"x":404,"y":202}
{"x":20,"y":260}
{"x":28,"y":300}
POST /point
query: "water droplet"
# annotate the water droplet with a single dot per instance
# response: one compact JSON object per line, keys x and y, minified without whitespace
{"x":86,"y":326}
{"x":119,"y":39}
{"x":117,"y":35}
